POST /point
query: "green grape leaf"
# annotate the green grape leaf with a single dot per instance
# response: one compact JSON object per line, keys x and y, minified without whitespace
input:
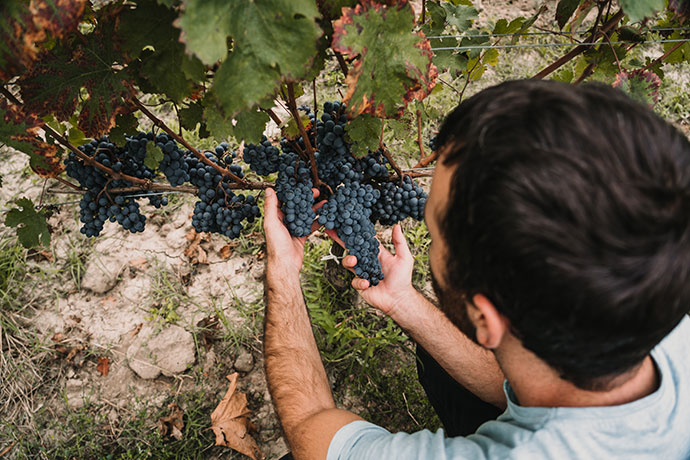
{"x":460,"y":16}
{"x":250,"y":126}
{"x":641,"y":85}
{"x":32,"y":228}
{"x":528,"y":23}
{"x":148,"y":33}
{"x":393,"y":64}
{"x":76,"y":137}
{"x":291,"y":130}
{"x":637,"y":10}
{"x":285,"y":47}
{"x":565,"y":10}
{"x":364,"y":133}
{"x":124,"y":124}
{"x":191,"y":115}
{"x":504,"y":27}
{"x":154,"y":156}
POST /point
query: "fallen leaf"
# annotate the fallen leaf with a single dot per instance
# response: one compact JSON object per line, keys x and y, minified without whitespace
{"x":136,"y":330}
{"x":230,"y":422}
{"x":209,"y":330}
{"x":138,"y":264}
{"x":195,"y":253}
{"x":172,"y":424}
{"x":226,"y":251}
{"x":103,"y":366}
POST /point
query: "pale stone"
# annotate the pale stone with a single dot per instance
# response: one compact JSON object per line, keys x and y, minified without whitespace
{"x":169,"y":352}
{"x":102,"y":274}
{"x":244,"y":361}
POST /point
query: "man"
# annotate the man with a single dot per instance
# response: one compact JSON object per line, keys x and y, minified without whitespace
{"x":559,"y":218}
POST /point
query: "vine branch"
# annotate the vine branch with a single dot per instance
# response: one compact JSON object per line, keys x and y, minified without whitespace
{"x":341,"y":62}
{"x":273,"y":116}
{"x":572,"y":54}
{"x":665,"y":55}
{"x":426,"y":161}
{"x":419,"y":135}
{"x":292,"y":105}
{"x":158,"y":122}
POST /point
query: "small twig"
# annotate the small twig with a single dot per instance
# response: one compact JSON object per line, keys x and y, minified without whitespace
{"x":158,"y":122}
{"x":665,"y":55}
{"x":423,"y":21}
{"x":423,"y":163}
{"x":316,"y":107}
{"x":572,"y":54}
{"x":67,"y":183}
{"x":419,"y":135}
{"x":43,"y":192}
{"x":407,"y":406}
{"x":341,"y":62}
{"x":273,"y":116}
{"x":557,"y":32}
{"x":392,"y":162}
{"x":412,"y":174}
{"x":179,"y":120}
{"x":449,"y":85}
{"x":613,"y":50}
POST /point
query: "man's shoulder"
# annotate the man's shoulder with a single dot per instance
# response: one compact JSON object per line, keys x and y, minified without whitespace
{"x":678,"y":339}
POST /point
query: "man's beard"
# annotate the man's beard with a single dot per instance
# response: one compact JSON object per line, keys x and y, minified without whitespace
{"x":454,"y":306}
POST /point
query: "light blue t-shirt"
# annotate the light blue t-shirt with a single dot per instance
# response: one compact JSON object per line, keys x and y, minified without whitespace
{"x":654,"y":427}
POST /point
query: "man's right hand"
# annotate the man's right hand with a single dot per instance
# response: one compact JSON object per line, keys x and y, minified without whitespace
{"x":395,"y":289}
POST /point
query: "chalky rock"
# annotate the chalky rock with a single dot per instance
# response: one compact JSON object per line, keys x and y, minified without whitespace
{"x":169,"y":352}
{"x":244,"y":361}
{"x":102,"y":274}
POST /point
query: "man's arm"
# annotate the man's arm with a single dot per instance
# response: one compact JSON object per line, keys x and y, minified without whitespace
{"x":296,"y":377}
{"x":472,"y":366}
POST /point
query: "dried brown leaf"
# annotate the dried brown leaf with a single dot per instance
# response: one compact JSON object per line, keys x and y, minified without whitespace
{"x":230,"y":422}
{"x":172,"y":425}
{"x":103,"y":366}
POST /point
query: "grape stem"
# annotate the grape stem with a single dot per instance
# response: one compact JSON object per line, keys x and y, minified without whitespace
{"x":419,"y":135}
{"x":292,"y":106}
{"x":273,"y":116}
{"x":158,"y":122}
{"x":341,"y":62}
{"x":392,"y":162}
{"x":424,"y":162}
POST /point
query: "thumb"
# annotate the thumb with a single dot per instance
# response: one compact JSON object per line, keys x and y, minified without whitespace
{"x":400,"y":244}
{"x":270,"y":206}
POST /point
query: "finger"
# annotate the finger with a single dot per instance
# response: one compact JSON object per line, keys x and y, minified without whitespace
{"x":384,"y":254}
{"x":315,"y":226}
{"x":271,"y":207}
{"x":360,"y":284}
{"x":316,"y":192}
{"x":319,"y":205}
{"x":400,"y":244}
{"x":349,"y":261}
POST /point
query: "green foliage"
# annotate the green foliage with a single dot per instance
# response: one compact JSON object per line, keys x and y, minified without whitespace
{"x":124,"y":123}
{"x":393,"y":64}
{"x":154,"y":155}
{"x":637,"y":10}
{"x":364,"y":132}
{"x":565,"y":10}
{"x":32,"y":226}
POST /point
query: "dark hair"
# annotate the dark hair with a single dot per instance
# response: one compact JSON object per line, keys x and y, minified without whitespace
{"x":569,"y":208}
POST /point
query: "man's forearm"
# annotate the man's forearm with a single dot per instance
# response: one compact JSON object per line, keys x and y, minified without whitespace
{"x":296,"y":377}
{"x":471,"y":365}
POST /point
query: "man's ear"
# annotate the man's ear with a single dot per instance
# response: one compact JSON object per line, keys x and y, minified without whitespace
{"x":491,"y":326}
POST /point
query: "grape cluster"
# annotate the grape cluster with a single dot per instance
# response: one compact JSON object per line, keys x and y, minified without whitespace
{"x":335,"y":163}
{"x":399,"y":201}
{"x":373,"y":166}
{"x":98,"y":204}
{"x":219,"y":209}
{"x":294,"y":191}
{"x":173,"y":164}
{"x":348,"y":211}
{"x":262,"y":158}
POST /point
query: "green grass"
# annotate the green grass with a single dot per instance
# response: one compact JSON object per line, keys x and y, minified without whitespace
{"x":87,"y":433}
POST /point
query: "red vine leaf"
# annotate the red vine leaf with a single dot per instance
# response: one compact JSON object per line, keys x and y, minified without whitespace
{"x":55,"y":83}
{"x":642,"y":85}
{"x":23,"y":26}
{"x":393,"y":63}
{"x":21,"y":131}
